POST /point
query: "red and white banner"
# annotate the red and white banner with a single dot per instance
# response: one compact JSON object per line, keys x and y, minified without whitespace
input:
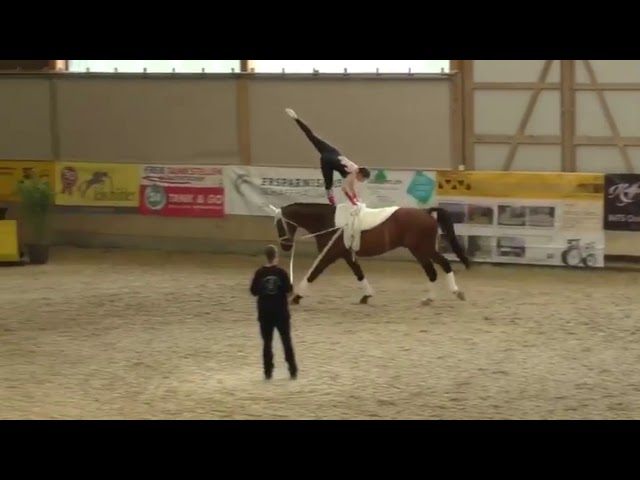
{"x":182,"y":191}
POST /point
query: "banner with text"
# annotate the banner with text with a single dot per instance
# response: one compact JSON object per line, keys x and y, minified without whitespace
{"x":13,"y":172}
{"x":622,"y":202}
{"x":182,"y":191}
{"x":531,"y":218}
{"x":97,"y":184}
{"x":250,"y":190}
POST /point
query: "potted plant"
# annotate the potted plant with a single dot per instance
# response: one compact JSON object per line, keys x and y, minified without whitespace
{"x":36,"y":196}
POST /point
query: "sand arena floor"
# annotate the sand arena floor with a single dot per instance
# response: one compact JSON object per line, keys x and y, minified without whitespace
{"x":152,"y":335}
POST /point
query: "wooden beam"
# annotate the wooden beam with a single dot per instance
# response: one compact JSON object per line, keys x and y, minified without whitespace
{"x":517,"y":86}
{"x":58,"y":65}
{"x":608,"y":115}
{"x":455,"y":65}
{"x":468,"y":102}
{"x":629,"y":87}
{"x":246,"y":66}
{"x":243,"y":118}
{"x":568,"y":114}
{"x":457,"y":120}
{"x":520,"y":139}
{"x":524,"y":121}
{"x":600,"y":141}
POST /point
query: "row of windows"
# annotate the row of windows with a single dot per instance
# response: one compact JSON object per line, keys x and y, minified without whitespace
{"x":261,"y":66}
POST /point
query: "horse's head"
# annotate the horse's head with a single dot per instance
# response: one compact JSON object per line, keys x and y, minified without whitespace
{"x":286,"y":231}
{"x":312,"y":217}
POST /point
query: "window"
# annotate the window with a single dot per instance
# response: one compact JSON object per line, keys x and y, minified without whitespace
{"x":352,"y":66}
{"x":155,"y":66}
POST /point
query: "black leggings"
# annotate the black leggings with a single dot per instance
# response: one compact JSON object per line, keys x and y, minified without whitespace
{"x":267,"y":327}
{"x":329,"y":161}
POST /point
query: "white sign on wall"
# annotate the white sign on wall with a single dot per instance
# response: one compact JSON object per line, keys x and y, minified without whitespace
{"x":250,"y":190}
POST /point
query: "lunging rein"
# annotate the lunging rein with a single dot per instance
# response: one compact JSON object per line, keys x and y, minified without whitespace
{"x":277,"y":214}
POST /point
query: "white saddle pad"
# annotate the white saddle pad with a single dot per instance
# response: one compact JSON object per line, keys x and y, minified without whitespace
{"x":359,"y":219}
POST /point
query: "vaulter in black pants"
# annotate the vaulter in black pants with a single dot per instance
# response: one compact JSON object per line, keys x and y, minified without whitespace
{"x":331,"y":160}
{"x":272,"y":287}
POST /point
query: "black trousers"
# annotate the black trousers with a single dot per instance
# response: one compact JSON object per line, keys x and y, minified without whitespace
{"x":267,"y":329}
{"x":329,"y":161}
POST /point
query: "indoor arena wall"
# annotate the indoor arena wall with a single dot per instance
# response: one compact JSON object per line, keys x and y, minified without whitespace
{"x":398,"y":121}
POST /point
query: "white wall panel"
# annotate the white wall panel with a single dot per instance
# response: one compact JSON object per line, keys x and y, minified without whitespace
{"x":499,"y":112}
{"x":513,"y":70}
{"x":610,"y":71}
{"x":598,"y":159}
{"x":528,"y":158}
{"x":624,"y":107}
{"x":490,"y":156}
{"x":605,"y":159}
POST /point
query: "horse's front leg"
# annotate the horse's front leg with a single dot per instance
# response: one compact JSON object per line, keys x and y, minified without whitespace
{"x":367,"y":291}
{"x":303,"y":287}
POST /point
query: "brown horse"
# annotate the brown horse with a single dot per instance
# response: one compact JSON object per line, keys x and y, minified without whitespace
{"x":411,"y":228}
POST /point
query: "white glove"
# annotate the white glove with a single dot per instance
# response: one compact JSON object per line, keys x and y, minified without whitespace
{"x":291,"y":113}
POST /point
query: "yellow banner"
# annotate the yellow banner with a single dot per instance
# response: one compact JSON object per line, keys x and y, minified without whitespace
{"x":97,"y":184}
{"x":534,"y":185}
{"x":9,"y":241}
{"x":14,"y":171}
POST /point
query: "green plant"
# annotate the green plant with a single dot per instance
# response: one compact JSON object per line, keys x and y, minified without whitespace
{"x":36,"y":203}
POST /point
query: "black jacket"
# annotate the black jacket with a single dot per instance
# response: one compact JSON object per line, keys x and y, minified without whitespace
{"x":272,"y":286}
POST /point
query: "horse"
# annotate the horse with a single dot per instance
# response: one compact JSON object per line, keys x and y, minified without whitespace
{"x":382,"y":230}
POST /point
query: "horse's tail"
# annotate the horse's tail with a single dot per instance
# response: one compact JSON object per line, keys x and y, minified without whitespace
{"x":449,"y":232}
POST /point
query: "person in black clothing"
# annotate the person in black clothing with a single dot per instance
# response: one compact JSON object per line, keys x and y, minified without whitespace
{"x":331,"y":160}
{"x":272,"y":287}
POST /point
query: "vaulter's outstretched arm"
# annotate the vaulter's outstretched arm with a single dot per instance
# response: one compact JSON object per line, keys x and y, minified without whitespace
{"x":349,"y":188}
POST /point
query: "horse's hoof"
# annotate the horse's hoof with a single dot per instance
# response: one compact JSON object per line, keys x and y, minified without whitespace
{"x":365,"y":299}
{"x":296,"y":300}
{"x":460,"y":294}
{"x":427,"y":301}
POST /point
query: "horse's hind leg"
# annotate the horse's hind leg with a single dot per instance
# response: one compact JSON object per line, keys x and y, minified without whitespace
{"x":364,"y":283}
{"x":451,"y":279}
{"x":431,"y":272}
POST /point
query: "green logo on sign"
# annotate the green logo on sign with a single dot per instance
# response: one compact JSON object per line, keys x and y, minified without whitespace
{"x":421,"y":187}
{"x":155,"y":198}
{"x":380,"y":177}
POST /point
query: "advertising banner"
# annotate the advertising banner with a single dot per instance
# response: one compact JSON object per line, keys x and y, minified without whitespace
{"x":622,"y":202}
{"x":575,"y":186}
{"x":182,"y":191}
{"x":558,"y":222}
{"x":9,"y":241}
{"x":13,"y":172}
{"x":97,"y":184}
{"x":250,"y":190}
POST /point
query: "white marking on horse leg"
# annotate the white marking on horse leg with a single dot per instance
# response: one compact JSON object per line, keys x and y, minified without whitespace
{"x":451,"y":281}
{"x":366,"y":288}
{"x":303,"y":287}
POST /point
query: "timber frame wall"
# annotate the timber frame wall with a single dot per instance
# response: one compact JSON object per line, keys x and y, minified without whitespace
{"x":568,"y":140}
{"x":464,"y":135}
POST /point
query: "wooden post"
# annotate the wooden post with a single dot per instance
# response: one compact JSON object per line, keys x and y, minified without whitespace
{"x":468,"y":102}
{"x":457,"y":116}
{"x":243,"y":114}
{"x":568,"y":114}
